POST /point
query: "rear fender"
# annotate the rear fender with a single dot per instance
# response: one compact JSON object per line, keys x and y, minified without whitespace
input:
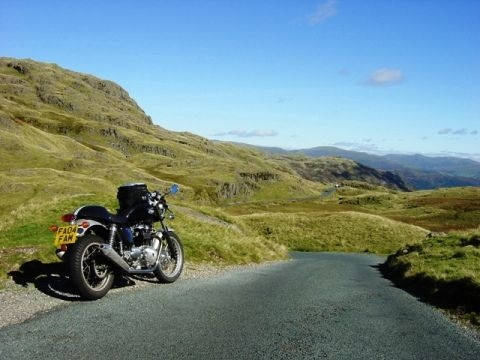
{"x":94,"y":227}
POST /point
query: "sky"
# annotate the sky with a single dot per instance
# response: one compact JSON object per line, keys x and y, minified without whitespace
{"x":380,"y":76}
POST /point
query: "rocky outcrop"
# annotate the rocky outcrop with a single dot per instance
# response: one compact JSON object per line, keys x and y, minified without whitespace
{"x":259,"y":176}
{"x":229,"y":190}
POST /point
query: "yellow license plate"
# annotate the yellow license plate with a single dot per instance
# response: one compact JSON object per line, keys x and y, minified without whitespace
{"x":66,"y":235}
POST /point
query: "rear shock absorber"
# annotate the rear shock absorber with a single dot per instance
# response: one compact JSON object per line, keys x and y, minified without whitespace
{"x":111,"y":237}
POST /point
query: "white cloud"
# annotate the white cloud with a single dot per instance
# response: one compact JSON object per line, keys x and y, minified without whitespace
{"x":444,"y":131}
{"x":357,"y":146}
{"x":462,"y":131}
{"x":247,"y":134}
{"x":385,"y":76}
{"x":324,"y":11}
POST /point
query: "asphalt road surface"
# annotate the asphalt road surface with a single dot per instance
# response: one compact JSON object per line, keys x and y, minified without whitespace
{"x":320,"y":305}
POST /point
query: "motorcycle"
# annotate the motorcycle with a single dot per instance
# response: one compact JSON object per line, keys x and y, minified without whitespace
{"x":98,"y":245}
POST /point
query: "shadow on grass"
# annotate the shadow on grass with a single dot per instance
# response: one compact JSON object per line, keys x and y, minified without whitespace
{"x":459,"y":296}
{"x":52,"y":279}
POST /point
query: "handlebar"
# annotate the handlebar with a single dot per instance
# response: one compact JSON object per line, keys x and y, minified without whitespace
{"x":172,"y":191}
{"x":158,"y":199}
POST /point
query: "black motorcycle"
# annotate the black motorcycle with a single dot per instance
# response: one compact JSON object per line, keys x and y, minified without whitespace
{"x":97,"y":245}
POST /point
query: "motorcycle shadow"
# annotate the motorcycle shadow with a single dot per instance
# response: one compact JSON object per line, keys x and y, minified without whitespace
{"x":52,"y":279}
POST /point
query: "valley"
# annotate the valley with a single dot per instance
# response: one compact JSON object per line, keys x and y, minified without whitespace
{"x":68,"y":139}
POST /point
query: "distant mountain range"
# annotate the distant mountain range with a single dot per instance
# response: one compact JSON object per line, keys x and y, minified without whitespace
{"x":418,"y":171}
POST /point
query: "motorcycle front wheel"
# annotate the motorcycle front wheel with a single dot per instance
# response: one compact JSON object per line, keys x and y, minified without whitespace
{"x":170,"y":262}
{"x":89,"y":271}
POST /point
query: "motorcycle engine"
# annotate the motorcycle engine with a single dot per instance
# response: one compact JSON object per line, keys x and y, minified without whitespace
{"x":143,"y":253}
{"x":142,"y":235}
{"x":140,"y":257}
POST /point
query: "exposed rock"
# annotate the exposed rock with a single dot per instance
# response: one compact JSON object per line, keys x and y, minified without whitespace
{"x":259,"y":176}
{"x":228,"y":190}
{"x":20,"y":66}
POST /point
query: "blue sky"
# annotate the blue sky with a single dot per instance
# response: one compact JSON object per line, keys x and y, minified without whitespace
{"x":373,"y":75}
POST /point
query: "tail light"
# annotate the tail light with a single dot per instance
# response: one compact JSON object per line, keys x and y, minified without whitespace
{"x":68,"y":218}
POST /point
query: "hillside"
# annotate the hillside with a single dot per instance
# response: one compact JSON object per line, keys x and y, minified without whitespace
{"x":339,"y":170}
{"x":443,"y":164}
{"x":418,"y":171}
{"x":58,"y":122}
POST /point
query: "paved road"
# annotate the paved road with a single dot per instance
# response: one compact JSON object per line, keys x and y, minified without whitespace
{"x":320,"y":305}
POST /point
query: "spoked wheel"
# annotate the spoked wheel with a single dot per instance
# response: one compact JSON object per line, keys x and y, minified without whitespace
{"x":170,"y":264}
{"x":89,"y":271}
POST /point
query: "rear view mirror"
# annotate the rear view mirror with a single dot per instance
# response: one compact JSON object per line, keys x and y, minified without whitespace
{"x":174,"y":189}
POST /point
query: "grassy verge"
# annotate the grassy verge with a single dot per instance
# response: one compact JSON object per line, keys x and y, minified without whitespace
{"x":339,"y":231}
{"x":206,"y":242}
{"x":444,"y":271}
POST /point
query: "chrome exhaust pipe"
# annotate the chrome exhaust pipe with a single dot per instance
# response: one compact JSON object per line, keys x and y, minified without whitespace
{"x":117,"y":260}
{"x":113,"y":256}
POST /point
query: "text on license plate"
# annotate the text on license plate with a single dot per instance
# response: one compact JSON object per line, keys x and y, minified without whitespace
{"x":66,"y":235}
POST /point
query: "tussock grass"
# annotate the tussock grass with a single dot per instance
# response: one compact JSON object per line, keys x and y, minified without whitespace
{"x":441,"y":210}
{"x":341,"y":231}
{"x":443,"y":270}
{"x":205,"y":242}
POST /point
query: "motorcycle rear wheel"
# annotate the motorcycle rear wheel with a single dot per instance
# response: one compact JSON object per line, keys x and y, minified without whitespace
{"x":170,"y":264}
{"x":89,"y":271}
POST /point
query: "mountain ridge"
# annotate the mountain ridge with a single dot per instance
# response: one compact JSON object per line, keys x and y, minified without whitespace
{"x":419,"y":171}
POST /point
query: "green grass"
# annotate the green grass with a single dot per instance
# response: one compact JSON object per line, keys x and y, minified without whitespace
{"x":442,"y":270}
{"x":340,"y":231}
{"x":440,"y":210}
{"x":205,"y":242}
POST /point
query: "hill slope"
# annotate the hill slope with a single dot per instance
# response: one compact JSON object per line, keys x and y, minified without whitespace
{"x":57,"y":120}
{"x":338,"y":170}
